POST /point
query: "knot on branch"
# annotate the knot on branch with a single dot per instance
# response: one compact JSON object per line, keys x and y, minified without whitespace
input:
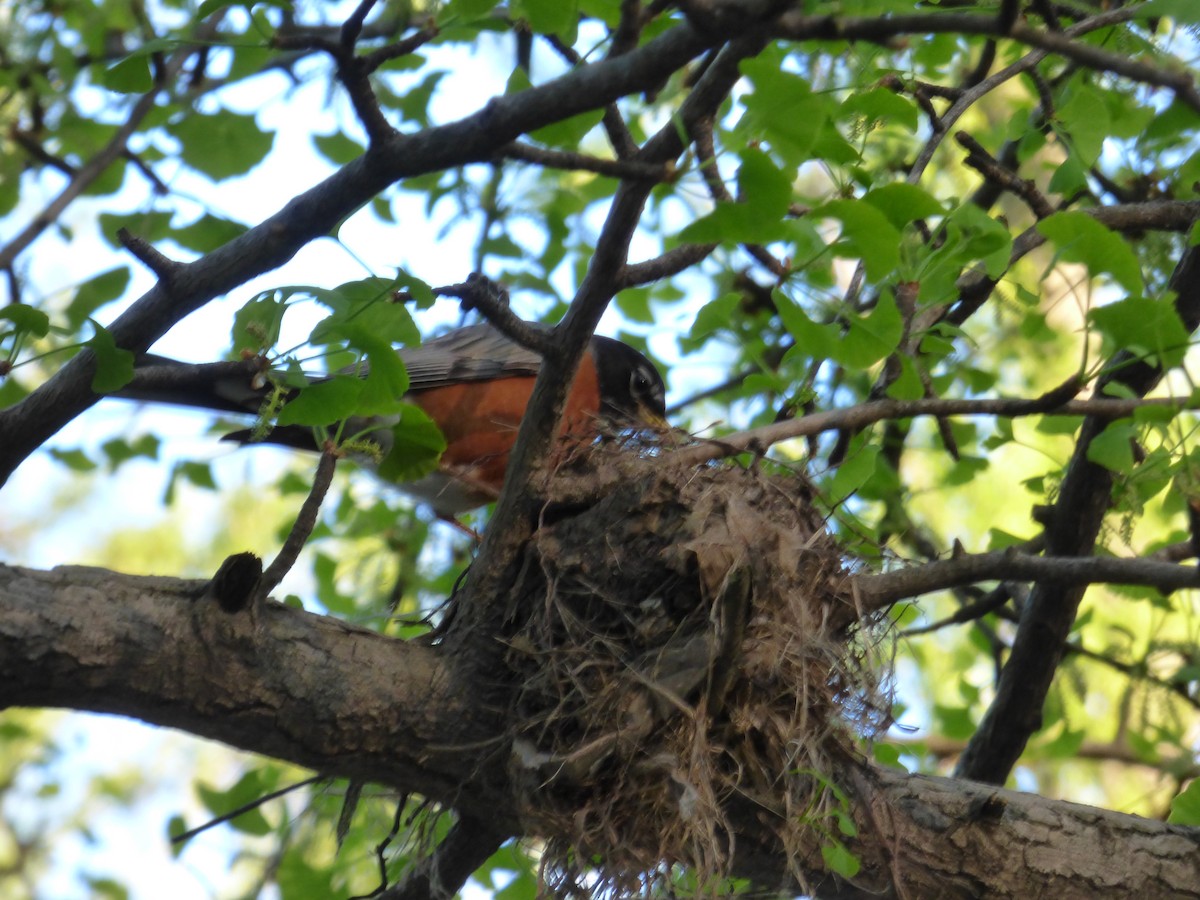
{"x":688,"y":666}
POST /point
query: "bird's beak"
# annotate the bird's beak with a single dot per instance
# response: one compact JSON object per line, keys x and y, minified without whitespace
{"x":653,"y":419}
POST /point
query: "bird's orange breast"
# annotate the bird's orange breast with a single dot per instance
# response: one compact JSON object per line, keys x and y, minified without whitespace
{"x":479,"y":420}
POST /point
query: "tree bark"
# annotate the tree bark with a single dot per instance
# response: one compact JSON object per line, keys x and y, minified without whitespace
{"x":349,"y":702}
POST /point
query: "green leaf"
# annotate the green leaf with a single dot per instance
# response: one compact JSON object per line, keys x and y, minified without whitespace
{"x":634,"y":304}
{"x":1182,"y":11}
{"x":256,"y":325}
{"x":1146,"y":327}
{"x":249,"y":788}
{"x":338,"y":148}
{"x":130,"y":76}
{"x":783,"y":109}
{"x":26,"y":319}
{"x":840,"y":860}
{"x":207,"y":233}
{"x":75,"y":460}
{"x":114,"y":366}
{"x":417,"y":444}
{"x":866,"y":234}
{"x":765,"y":192}
{"x":903,"y":203}
{"x":221,"y":145}
{"x":1112,"y":448}
{"x":1086,"y":120}
{"x":1185,"y":807}
{"x":197,"y":473}
{"x":813,"y":339}
{"x":954,"y":722}
{"x":323,"y":402}
{"x":859,"y":466}
{"x":549,"y":16}
{"x":364,"y":313}
{"x":882,"y":104}
{"x":1080,"y":238}
{"x":119,"y":450}
{"x":94,"y":293}
{"x":148,"y":225}
{"x":870,"y":339}
{"x":711,"y":318}
{"x":176,"y":826}
{"x":464,"y":11}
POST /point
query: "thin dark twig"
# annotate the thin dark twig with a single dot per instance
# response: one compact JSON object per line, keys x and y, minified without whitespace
{"x":562,"y":159}
{"x":410,"y":44}
{"x":670,"y":263}
{"x":480,"y":293}
{"x":990,"y":168}
{"x":302,"y":528}
{"x":244,"y":808}
{"x":990,"y":602}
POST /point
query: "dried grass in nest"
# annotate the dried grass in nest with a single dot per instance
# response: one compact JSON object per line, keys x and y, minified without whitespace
{"x":686,"y":669}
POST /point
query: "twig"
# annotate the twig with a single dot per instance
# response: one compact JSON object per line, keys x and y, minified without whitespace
{"x":869,"y":413}
{"x":670,"y":263}
{"x":878,"y":591}
{"x":404,"y":47}
{"x":244,"y":808}
{"x":990,"y":168}
{"x":480,"y":293}
{"x":562,"y":159}
{"x":992,"y":601}
{"x":306,"y":520}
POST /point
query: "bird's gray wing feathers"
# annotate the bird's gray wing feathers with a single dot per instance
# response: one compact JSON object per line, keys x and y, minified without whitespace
{"x":475,"y":353}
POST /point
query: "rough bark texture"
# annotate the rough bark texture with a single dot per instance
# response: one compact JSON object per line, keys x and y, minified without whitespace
{"x":346,"y":701}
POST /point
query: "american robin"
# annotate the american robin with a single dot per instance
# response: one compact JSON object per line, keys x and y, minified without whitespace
{"x":474,"y":382}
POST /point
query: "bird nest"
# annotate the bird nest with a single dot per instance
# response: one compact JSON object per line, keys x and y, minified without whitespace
{"x":691,"y":667}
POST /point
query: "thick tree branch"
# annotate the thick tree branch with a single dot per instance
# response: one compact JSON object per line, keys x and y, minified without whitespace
{"x":345,"y":701}
{"x":288,"y":684}
{"x":1078,"y":513}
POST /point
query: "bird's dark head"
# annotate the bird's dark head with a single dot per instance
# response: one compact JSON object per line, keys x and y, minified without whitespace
{"x":632,"y":391}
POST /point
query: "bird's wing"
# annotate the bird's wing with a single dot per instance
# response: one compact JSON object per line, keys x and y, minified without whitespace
{"x":475,"y":353}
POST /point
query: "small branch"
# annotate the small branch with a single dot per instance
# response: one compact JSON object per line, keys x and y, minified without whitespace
{"x":410,"y":44}
{"x":619,"y":135}
{"x":244,"y":808}
{"x":30,"y":145}
{"x":990,"y":168}
{"x":158,"y":263}
{"x":1137,"y":672}
{"x":561,"y":159}
{"x":480,"y":293}
{"x":968,"y":613}
{"x":869,"y":413}
{"x":879,"y":591}
{"x":352,"y":27}
{"x":670,"y":263}
{"x":156,"y":183}
{"x":302,"y":528}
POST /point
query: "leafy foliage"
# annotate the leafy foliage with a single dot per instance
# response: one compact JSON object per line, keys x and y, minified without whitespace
{"x":941,"y":212}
